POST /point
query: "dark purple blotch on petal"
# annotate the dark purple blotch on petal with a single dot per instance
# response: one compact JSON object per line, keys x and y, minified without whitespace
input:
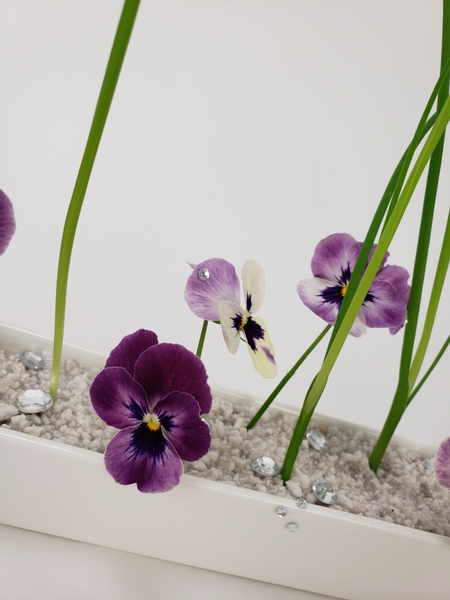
{"x":253,"y":331}
{"x":7,"y":221}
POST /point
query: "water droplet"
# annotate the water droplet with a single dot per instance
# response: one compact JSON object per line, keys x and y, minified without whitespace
{"x":324,"y":492}
{"x":292,"y":527}
{"x":265,"y":466}
{"x":33,"y":401}
{"x":282,"y":511}
{"x":203,"y":274}
{"x":301,"y":503}
{"x":32,"y":360}
{"x":316,"y":440}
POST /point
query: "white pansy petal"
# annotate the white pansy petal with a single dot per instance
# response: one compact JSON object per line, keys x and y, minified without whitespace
{"x":230,"y":314}
{"x":260,"y":347}
{"x":254,"y":283}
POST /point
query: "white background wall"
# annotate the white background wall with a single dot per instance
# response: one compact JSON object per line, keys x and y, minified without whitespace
{"x":240,"y":129}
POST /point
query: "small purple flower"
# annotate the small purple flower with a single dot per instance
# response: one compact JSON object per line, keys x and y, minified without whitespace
{"x":155,"y":394}
{"x":442,"y":464}
{"x":332,"y":266}
{"x":7,"y":222}
{"x":237,"y":321}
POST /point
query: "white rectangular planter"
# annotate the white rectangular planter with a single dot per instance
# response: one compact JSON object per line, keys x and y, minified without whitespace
{"x":65,"y":491}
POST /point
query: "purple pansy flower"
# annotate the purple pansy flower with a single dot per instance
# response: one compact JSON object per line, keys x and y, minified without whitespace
{"x":7,"y":222}
{"x":154,"y":393}
{"x":212,"y":293}
{"x":332,"y":265}
{"x":442,"y":464}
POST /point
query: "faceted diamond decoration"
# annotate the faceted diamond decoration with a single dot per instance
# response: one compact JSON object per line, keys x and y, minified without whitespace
{"x":324,"y":492}
{"x":206,"y":420}
{"x":33,"y":401}
{"x":301,"y":503}
{"x":428,"y":464}
{"x":316,"y":440}
{"x":281,"y":511}
{"x":203,"y":274}
{"x":32,"y":360}
{"x":292,"y":527}
{"x":266,"y":466}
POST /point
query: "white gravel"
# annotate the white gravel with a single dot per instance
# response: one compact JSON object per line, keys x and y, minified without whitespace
{"x":404,"y":490}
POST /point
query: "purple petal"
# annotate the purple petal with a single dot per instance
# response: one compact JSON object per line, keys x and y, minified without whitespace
{"x":126,"y":353}
{"x":7,"y":221}
{"x":203,"y":295}
{"x":382,"y":307}
{"x":335,"y":255}
{"x":166,"y":368}
{"x":118,"y":399}
{"x":137,"y":455}
{"x":310,"y":292}
{"x":179,"y":415}
{"x":442,"y":464}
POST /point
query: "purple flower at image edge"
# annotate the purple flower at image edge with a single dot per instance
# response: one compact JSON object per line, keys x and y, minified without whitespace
{"x":442,"y":464}
{"x":332,"y":266}
{"x":7,"y":222}
{"x":155,"y":395}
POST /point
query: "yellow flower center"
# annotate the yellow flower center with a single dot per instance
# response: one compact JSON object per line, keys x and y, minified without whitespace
{"x":344,"y":290}
{"x":152,"y":422}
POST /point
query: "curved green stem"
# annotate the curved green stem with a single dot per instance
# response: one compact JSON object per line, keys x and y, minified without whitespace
{"x":201,"y":340}
{"x":107,"y":90}
{"x":286,"y":378}
{"x":429,"y":371}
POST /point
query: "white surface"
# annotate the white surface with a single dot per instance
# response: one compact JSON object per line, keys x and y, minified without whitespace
{"x":77,"y":571}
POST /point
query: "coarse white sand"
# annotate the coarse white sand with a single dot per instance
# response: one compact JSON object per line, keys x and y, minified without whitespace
{"x":404,"y":491}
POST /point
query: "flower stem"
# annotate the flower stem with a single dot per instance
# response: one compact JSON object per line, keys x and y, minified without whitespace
{"x":201,"y":340}
{"x":430,"y":370}
{"x":286,"y":378}
{"x":107,"y":90}
{"x":400,"y":400}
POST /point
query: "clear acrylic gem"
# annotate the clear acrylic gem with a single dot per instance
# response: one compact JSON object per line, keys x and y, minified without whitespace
{"x":301,"y":503}
{"x":33,"y":401}
{"x":428,"y":464}
{"x":292,"y":527}
{"x":206,"y":420}
{"x":32,"y":360}
{"x":316,"y":440}
{"x":203,"y":274}
{"x":324,"y":492}
{"x":281,"y":511}
{"x":265,"y":466}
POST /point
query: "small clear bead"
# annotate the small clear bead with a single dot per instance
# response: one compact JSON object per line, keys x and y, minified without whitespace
{"x":33,"y":401}
{"x":282,"y":511}
{"x":324,"y":492}
{"x":265,"y":466}
{"x":32,"y":360}
{"x":301,"y":503}
{"x":428,"y":464}
{"x":292,"y":527}
{"x":203,"y":274}
{"x":206,"y":420}
{"x":316,"y":440}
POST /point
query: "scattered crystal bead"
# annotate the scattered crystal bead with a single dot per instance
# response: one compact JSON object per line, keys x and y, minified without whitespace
{"x":203,"y":274}
{"x":301,"y":503}
{"x":32,"y":360}
{"x":206,"y":420}
{"x":265,"y":466}
{"x":316,"y":440}
{"x":292,"y":527}
{"x":428,"y":464}
{"x":324,"y":492}
{"x":282,"y":511}
{"x":33,"y":401}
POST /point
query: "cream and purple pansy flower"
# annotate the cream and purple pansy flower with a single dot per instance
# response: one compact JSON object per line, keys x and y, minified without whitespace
{"x":332,"y":266}
{"x":7,"y":222}
{"x":155,"y":395}
{"x":212,"y":293}
{"x":442,"y":464}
